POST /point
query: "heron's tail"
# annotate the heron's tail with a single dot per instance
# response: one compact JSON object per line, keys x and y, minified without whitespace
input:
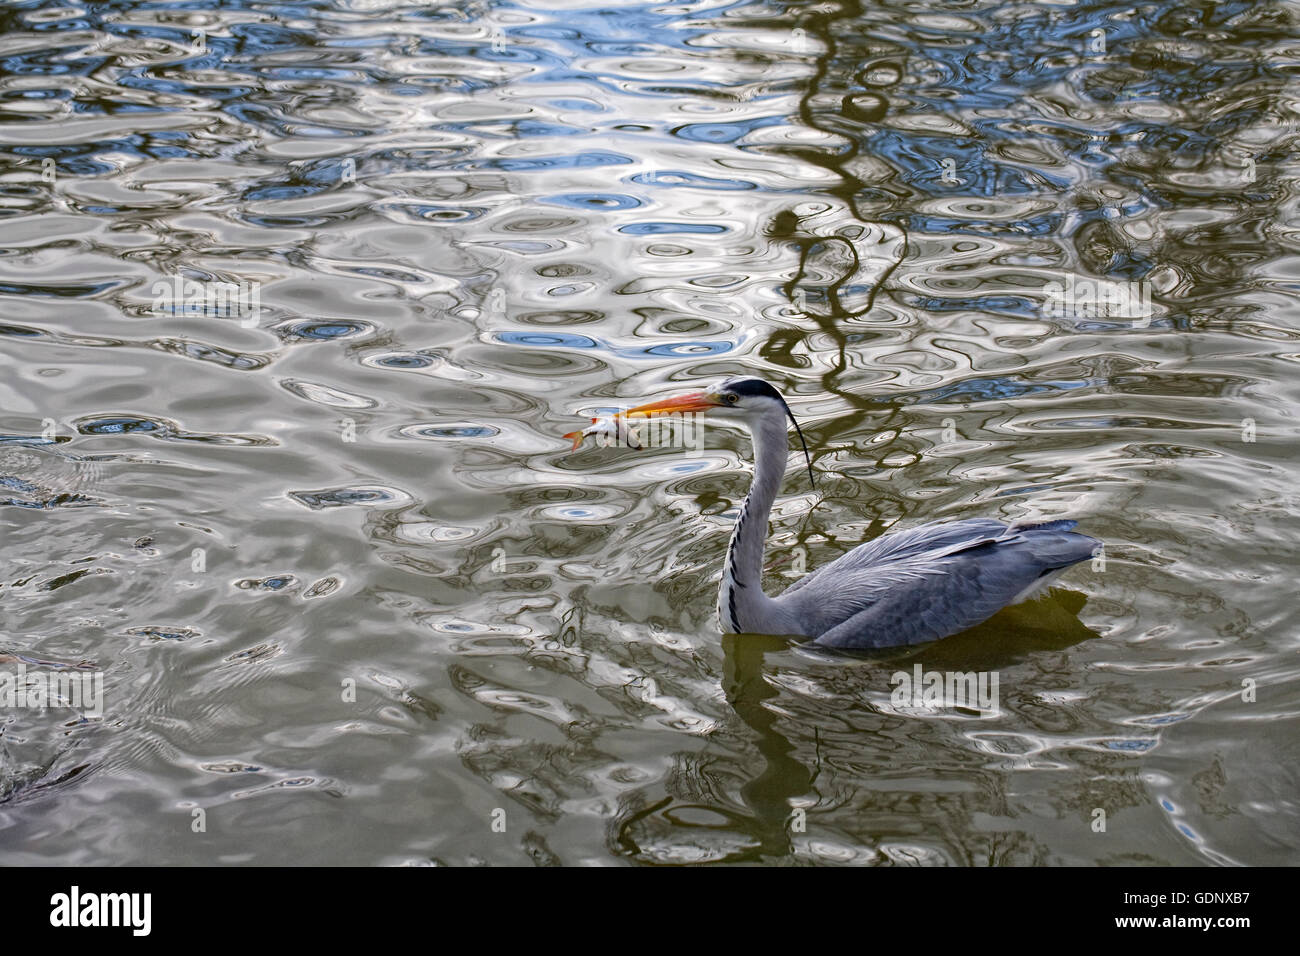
{"x":1052,"y":548}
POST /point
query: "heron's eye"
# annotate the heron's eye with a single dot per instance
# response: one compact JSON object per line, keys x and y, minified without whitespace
{"x":731,"y":398}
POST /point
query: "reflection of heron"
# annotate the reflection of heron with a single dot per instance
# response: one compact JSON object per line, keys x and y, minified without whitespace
{"x":783,"y":778}
{"x":698,"y":820}
{"x":902,"y":588}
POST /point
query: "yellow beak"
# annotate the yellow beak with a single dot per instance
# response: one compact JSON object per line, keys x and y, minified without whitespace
{"x":682,"y":404}
{"x":690,"y":402}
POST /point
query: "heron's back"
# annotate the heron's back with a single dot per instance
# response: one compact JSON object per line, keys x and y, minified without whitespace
{"x":929,"y":582}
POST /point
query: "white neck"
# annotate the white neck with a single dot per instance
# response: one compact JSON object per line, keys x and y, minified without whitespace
{"x":742,"y":605}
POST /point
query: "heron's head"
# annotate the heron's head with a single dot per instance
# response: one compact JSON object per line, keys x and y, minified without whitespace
{"x":748,"y":400}
{"x":745,"y":399}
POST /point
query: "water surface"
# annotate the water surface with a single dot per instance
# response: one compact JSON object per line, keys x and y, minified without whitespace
{"x":352,"y":595}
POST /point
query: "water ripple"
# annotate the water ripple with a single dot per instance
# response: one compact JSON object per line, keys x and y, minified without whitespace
{"x":351,"y":556}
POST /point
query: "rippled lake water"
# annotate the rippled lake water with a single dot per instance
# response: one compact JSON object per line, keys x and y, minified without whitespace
{"x":297,"y":299}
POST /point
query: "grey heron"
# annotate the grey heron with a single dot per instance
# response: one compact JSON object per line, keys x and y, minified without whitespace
{"x":905,"y":587}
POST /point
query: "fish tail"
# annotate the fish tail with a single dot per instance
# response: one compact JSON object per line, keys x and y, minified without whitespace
{"x":577,"y":439}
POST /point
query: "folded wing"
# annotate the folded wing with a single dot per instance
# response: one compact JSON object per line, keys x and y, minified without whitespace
{"x":930,"y":582}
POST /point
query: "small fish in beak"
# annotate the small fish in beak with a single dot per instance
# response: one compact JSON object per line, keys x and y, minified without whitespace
{"x":617,"y":429}
{"x":613,"y":430}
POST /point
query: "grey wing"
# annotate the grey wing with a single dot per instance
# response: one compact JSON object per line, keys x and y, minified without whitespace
{"x":895,"y":545}
{"x":930,"y":595}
